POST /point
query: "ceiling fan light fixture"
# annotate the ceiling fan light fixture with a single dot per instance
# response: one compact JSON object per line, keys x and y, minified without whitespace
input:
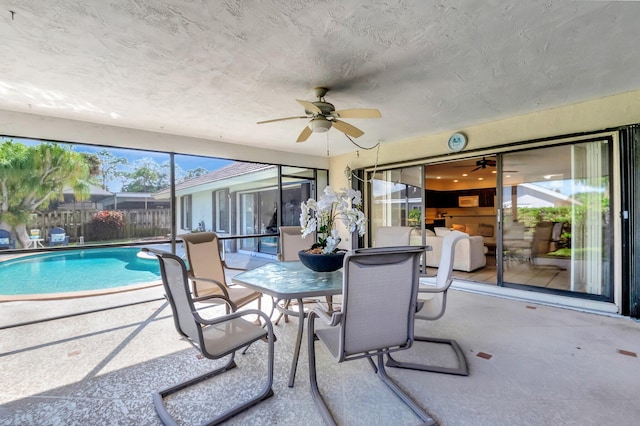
{"x":320,"y":125}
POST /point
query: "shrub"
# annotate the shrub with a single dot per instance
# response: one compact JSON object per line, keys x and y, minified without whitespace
{"x":107,"y":225}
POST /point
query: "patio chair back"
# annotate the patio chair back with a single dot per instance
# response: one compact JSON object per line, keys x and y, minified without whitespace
{"x":291,"y":242}
{"x":207,"y":270}
{"x":379,"y":291}
{"x":57,"y":236}
{"x":205,"y":261}
{"x":390,"y":236}
{"x":176,"y":287}
{"x":6,"y":242}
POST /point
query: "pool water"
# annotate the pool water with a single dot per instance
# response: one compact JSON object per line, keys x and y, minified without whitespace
{"x":76,"y":270}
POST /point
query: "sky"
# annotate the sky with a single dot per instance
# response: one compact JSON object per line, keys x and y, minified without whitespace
{"x":186,"y":162}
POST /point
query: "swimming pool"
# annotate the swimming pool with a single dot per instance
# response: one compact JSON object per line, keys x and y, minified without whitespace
{"x":76,"y":271}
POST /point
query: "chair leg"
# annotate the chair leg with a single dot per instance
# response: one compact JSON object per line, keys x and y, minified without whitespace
{"x":461,"y":370}
{"x":286,"y":317}
{"x":382,"y":373}
{"x":313,"y":380}
{"x":322,"y":405}
{"x":266,"y":392}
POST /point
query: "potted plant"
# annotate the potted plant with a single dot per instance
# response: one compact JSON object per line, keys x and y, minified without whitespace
{"x":321,"y":217}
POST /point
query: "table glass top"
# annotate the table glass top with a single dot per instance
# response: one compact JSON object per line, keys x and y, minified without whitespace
{"x":291,"y":280}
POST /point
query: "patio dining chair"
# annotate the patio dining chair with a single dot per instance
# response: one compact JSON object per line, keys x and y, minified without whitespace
{"x":215,"y":338}
{"x":434,"y":307}
{"x":376,"y":318}
{"x":207,"y":270}
{"x":290,"y":243}
{"x":390,"y":236}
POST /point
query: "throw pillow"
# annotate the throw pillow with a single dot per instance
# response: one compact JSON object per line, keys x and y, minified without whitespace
{"x":485,"y":229}
{"x":472,"y":229}
{"x":58,"y":238}
{"x":458,"y":227}
{"x":441,"y":232}
{"x":4,"y":241}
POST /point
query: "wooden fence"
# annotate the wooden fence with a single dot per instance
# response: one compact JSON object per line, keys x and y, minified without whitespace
{"x":77,"y":223}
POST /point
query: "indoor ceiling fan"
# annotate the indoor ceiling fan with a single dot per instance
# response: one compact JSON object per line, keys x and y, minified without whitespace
{"x":322,"y":116}
{"x":482,"y":164}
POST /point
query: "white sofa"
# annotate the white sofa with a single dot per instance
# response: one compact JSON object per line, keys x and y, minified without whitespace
{"x":469,"y":255}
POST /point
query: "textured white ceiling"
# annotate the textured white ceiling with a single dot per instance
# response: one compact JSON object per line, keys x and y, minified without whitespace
{"x":212,"y":69}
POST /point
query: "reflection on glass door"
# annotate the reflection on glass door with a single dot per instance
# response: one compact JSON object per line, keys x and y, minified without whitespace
{"x":556,"y":218}
{"x":248,"y":220}
{"x":396,"y":200}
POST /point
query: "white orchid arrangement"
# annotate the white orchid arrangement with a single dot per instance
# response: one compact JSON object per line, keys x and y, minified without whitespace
{"x":321,"y":216}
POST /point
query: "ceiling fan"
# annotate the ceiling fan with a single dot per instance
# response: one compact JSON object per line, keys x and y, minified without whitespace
{"x":323,"y":116}
{"x":482,"y":164}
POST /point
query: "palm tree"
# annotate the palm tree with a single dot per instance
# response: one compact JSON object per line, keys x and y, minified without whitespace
{"x":33,"y":176}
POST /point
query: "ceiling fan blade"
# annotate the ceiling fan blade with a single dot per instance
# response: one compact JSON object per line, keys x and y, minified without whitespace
{"x":358,"y":113}
{"x":281,"y":119}
{"x":309,"y":106}
{"x":304,"y":135}
{"x":347,"y":128}
{"x":477,"y":168}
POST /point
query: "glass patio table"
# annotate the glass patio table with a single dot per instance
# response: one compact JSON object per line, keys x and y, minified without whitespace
{"x":288,"y":281}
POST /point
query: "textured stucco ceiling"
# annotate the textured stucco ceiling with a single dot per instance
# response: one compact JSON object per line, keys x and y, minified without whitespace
{"x":212,"y":69}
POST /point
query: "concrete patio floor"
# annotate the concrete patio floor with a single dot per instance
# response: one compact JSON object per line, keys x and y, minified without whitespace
{"x":530,"y":364}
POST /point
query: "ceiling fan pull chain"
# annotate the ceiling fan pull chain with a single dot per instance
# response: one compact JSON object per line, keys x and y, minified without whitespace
{"x":327,"y":144}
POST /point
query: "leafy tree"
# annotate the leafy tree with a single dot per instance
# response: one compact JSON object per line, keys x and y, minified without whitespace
{"x":147,"y":176}
{"x":110,"y":167}
{"x":33,"y":176}
{"x":194,"y":173}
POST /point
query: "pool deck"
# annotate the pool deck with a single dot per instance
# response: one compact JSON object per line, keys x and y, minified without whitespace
{"x":529,"y":364}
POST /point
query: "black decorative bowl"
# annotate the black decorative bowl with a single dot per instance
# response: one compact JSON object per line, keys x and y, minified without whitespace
{"x":322,"y":262}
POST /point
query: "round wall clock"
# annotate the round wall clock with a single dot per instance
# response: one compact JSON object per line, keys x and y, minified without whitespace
{"x":457,"y":142}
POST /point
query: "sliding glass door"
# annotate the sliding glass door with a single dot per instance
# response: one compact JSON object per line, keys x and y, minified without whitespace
{"x":556,"y":219}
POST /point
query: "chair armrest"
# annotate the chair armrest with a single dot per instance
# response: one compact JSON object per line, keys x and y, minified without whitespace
{"x":228,"y":301}
{"x":321,"y":312}
{"x":224,"y":265}
{"x":233,"y":315}
{"x":426,"y":288}
{"x":222,"y":287}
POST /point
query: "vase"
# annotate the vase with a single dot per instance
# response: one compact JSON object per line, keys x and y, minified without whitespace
{"x":322,"y":262}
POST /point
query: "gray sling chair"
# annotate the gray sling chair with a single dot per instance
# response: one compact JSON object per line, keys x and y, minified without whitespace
{"x":390,"y":236}
{"x":379,"y":302}
{"x":215,"y":337}
{"x":290,"y":243}
{"x":434,"y":308}
{"x":207,"y":270}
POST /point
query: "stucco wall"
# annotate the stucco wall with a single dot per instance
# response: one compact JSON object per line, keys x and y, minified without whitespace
{"x":594,"y":115}
{"x":587,"y":116}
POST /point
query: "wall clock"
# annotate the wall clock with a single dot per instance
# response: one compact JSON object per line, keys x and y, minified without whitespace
{"x":457,"y":142}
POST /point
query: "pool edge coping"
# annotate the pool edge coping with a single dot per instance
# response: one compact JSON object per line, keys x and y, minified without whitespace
{"x":77,"y":294}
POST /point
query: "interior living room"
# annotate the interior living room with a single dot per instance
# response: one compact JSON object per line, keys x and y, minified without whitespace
{"x":461,"y":196}
{"x":526,"y":224}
